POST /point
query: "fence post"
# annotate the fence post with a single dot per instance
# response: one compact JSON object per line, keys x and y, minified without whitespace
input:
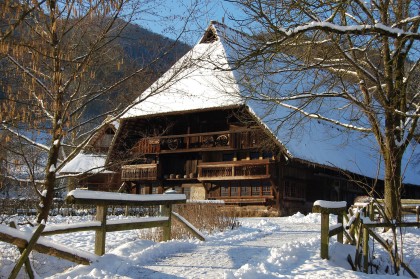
{"x":371,"y":210}
{"x":417,"y":215}
{"x":166,"y":210}
{"x":325,"y":228}
{"x":100,"y":234}
{"x":25,"y":254}
{"x":28,"y":265}
{"x":326,"y":208}
{"x":365,"y":249}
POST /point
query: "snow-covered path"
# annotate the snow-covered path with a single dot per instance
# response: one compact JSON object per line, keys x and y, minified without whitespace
{"x":286,"y":247}
{"x":224,"y":254}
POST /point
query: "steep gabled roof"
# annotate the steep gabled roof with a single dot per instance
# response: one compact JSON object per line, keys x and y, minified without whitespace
{"x":204,"y":79}
{"x":85,"y":163}
{"x":201,"y":79}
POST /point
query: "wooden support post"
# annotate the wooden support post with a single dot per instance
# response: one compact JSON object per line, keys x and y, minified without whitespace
{"x":166,"y":210}
{"x":340,"y":221}
{"x":28,"y":265}
{"x":371,"y":211}
{"x":418,"y":215}
{"x":100,"y":234}
{"x":325,"y":227}
{"x":365,"y":249}
{"x":326,"y":208}
{"x":25,"y":254}
{"x":357,"y":255}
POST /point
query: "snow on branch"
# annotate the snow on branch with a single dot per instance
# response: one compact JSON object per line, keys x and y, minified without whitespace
{"x":320,"y":117}
{"x":414,"y":19}
{"x":23,"y":180}
{"x":378,"y":28}
{"x":308,"y":95}
{"x":16,"y":133}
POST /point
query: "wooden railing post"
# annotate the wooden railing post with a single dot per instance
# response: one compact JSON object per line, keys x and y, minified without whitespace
{"x":365,"y":249}
{"x":371,"y":210}
{"x":25,"y":254}
{"x":326,"y":208}
{"x":100,"y":234}
{"x":27,"y":263}
{"x":325,"y":228}
{"x":166,"y":210}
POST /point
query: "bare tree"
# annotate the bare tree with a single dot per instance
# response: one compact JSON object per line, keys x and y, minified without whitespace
{"x":58,"y":59}
{"x":350,"y":63}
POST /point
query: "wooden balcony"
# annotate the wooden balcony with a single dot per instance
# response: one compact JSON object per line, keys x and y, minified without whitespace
{"x":222,"y":140}
{"x":238,"y":170}
{"x":139,"y":172}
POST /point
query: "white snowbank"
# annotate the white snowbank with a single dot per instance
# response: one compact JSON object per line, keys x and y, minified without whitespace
{"x":286,"y":247}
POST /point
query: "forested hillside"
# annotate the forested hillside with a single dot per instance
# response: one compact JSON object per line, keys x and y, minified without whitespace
{"x":134,"y":48}
{"x":104,"y":64}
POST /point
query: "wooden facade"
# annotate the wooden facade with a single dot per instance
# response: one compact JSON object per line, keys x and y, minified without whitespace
{"x":221,"y":154}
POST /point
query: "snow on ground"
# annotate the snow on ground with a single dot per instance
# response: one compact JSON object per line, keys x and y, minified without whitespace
{"x":286,"y":247}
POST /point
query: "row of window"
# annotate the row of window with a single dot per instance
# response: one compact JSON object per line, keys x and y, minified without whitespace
{"x":292,"y":189}
{"x":245,"y":191}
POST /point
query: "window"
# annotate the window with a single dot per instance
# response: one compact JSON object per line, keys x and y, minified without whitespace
{"x":224,"y":191}
{"x":234,"y":191}
{"x":266,"y":189}
{"x":245,"y":189}
{"x":255,"y":191}
{"x":294,"y":189}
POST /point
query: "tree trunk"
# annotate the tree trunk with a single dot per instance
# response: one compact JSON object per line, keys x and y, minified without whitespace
{"x":393,"y":184}
{"x":57,"y":131}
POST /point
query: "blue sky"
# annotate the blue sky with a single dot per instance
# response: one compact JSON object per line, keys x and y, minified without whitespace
{"x":168,"y":17}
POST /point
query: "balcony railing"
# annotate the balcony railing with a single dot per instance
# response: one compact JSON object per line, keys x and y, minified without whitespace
{"x":252,"y":169}
{"x":139,"y":172}
{"x":222,"y":140}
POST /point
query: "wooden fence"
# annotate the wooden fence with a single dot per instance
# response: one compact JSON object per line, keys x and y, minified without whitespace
{"x":102,"y":200}
{"x":359,"y":227}
{"x":27,"y":207}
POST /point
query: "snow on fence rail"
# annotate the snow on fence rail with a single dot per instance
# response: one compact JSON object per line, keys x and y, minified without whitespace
{"x":27,"y":207}
{"x":360,"y":225}
{"x":104,"y":199}
{"x":408,"y":206}
{"x":26,"y":242}
{"x":326,"y":208}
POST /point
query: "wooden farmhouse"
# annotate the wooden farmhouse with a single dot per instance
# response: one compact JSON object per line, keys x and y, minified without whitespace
{"x":87,"y":170}
{"x":192,"y":132}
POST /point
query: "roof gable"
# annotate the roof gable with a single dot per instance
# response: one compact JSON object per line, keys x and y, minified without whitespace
{"x":201,"y":79}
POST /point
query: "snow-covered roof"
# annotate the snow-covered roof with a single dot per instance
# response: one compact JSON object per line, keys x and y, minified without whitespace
{"x":85,"y":163}
{"x":201,"y":79}
{"x":204,"y":79}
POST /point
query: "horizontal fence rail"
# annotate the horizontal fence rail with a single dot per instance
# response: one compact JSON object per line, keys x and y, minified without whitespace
{"x":104,"y":199}
{"x":362,"y":222}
